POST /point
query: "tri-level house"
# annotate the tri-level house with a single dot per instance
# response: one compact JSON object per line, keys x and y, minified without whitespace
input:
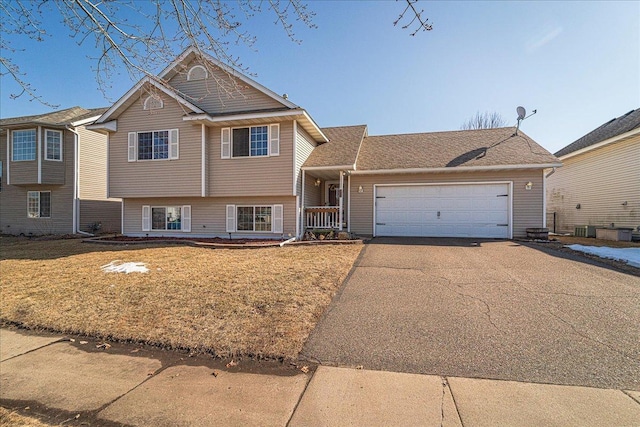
{"x":54,"y":175}
{"x":203,"y":150}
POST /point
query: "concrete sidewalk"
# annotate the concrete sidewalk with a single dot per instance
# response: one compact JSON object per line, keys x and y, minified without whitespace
{"x":58,"y":379}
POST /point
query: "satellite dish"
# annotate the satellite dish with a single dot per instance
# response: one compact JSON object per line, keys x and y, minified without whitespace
{"x":521,"y":112}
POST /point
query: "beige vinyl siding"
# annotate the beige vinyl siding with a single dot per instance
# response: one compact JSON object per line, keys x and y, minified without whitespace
{"x":527,"y":204}
{"x":251,"y":176}
{"x":208,"y":215}
{"x":600,"y":181}
{"x":155,"y":178}
{"x":304,"y":146}
{"x":13,"y":200}
{"x":105,"y":212}
{"x":22,"y":172}
{"x":92,"y":174}
{"x":221,"y":93}
{"x":53,"y":171}
{"x":312,"y":194}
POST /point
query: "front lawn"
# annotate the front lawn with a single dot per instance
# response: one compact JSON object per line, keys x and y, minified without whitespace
{"x":260,"y":302}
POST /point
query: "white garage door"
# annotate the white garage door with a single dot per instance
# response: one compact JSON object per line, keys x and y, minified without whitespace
{"x":458,"y":210}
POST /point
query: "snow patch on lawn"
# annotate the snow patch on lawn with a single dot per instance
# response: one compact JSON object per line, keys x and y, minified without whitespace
{"x":125,"y":267}
{"x":628,"y":255}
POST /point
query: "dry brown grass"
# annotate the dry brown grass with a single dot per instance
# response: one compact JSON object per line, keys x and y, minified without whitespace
{"x":585,"y":241}
{"x":261,"y":302}
{"x":13,"y":419}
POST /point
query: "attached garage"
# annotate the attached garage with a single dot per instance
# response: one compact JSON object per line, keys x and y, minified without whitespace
{"x":479,"y":210}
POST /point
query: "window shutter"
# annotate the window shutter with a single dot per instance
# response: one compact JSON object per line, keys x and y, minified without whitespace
{"x":186,"y":218}
{"x":225,"y":143}
{"x":276,"y":220}
{"x":231,"y":218}
{"x":146,"y":218}
{"x":173,"y":144}
{"x":132,"y":146}
{"x":274,"y":140}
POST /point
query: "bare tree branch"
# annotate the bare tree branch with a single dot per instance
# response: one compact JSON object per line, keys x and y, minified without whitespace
{"x":422,"y":24}
{"x":484,"y":120}
{"x":142,"y":37}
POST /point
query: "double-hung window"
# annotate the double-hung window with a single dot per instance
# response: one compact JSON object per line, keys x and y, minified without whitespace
{"x":254,"y":218}
{"x":53,"y":146}
{"x":251,"y":141}
{"x":166,"y":218}
{"x":23,"y":144}
{"x":153,"y":145}
{"x":39,"y":204}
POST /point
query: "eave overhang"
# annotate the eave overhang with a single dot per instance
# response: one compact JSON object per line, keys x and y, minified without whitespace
{"x":243,"y":119}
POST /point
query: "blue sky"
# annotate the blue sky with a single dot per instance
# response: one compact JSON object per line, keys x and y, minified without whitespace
{"x":577,"y":63}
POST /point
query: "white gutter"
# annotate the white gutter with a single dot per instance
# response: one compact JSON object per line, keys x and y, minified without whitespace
{"x":455,"y":169}
{"x":329,"y":168}
{"x":602,"y":144}
{"x":253,"y":116}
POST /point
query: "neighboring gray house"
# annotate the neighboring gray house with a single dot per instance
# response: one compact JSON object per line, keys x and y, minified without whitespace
{"x":599,"y":182}
{"x":203,"y":150}
{"x":53,"y":175}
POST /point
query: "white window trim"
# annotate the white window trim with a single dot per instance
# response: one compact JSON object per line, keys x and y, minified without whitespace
{"x":273,"y":230}
{"x":46,"y":145}
{"x":146,"y":106}
{"x":271,"y":141}
{"x":36,"y":145}
{"x":39,"y":193}
{"x":133,"y":145}
{"x":197,"y":67}
{"x":185,"y":218}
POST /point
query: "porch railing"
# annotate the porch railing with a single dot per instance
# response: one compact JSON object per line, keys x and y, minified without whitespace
{"x":322,"y":217}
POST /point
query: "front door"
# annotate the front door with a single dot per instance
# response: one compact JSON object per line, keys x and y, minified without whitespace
{"x":332,"y":194}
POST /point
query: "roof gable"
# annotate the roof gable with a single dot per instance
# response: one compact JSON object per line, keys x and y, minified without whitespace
{"x":224,"y":85}
{"x":341,"y":150}
{"x":133,"y":94}
{"x":611,"y":129}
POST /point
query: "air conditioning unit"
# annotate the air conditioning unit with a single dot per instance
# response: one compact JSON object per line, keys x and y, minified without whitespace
{"x":585,"y":231}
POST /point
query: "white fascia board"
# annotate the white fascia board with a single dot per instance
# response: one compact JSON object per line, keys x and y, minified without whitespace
{"x":241,"y":116}
{"x":228,"y":69}
{"x":315,"y":125}
{"x":329,"y":168}
{"x":252,"y":116}
{"x":84,"y":121}
{"x":137,"y":87}
{"x":602,"y":144}
{"x":111,"y":126}
{"x":455,"y":169}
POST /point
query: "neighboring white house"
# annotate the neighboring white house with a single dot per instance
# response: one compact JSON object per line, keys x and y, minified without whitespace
{"x":599,"y":182}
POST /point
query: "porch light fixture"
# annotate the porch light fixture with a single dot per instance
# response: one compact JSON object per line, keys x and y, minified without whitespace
{"x":528,"y":186}
{"x":360,"y":189}
{"x":318,"y":182}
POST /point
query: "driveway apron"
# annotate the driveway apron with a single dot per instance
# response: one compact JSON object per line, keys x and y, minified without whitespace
{"x":484,"y":309}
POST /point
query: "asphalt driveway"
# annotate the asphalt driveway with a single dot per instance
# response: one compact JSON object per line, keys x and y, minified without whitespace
{"x":496,"y":310}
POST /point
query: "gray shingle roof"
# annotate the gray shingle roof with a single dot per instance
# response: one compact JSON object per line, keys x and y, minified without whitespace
{"x":342,"y":148}
{"x":612,"y":128}
{"x":59,"y":118}
{"x":486,"y":147}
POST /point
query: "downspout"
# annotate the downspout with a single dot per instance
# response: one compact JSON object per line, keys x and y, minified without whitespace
{"x":76,"y":182}
{"x":550,"y":173}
